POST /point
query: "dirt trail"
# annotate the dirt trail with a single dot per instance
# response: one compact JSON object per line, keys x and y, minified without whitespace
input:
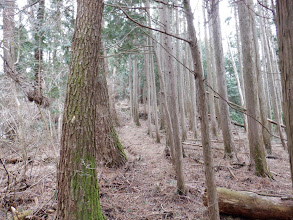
{"x":145,"y":188}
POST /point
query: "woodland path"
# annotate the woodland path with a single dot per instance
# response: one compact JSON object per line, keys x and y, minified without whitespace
{"x":145,"y":188}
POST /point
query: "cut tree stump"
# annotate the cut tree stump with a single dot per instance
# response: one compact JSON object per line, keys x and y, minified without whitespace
{"x":253,"y":206}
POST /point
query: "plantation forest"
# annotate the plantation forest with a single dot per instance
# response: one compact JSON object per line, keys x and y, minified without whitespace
{"x":146,"y":109}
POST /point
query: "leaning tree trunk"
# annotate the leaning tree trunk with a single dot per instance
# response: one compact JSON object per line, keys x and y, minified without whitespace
{"x":284,"y":20}
{"x":222,"y":85}
{"x":256,"y":145}
{"x":204,"y":122}
{"x":78,"y":190}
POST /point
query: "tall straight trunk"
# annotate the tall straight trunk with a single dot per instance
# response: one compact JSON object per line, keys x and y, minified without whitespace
{"x":188,"y":92}
{"x":164,"y":102}
{"x":214,"y":73}
{"x":272,"y":87}
{"x":180,"y":78}
{"x":222,"y":85}
{"x":261,"y":90}
{"x":172,"y":103}
{"x":154,"y":98}
{"x":78,"y":190}
{"x":8,"y":35}
{"x":204,"y":122}
{"x":214,"y":127}
{"x":130,"y":86}
{"x":239,"y":54}
{"x":193,"y":100}
{"x":240,"y":63}
{"x":235,"y":71}
{"x":149,"y":88}
{"x":110,"y":85}
{"x":256,"y":145}
{"x":37,"y":95}
{"x":284,"y":23}
{"x":111,"y":89}
{"x":161,"y":57}
{"x":238,"y":83}
{"x":135,"y":93}
{"x":153,"y":82}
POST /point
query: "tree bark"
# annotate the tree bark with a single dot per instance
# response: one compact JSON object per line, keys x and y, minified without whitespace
{"x":8,"y":35}
{"x":135,"y":94}
{"x":78,"y":190}
{"x":180,"y":79}
{"x":130,"y":86}
{"x":214,"y":127}
{"x":253,"y":206}
{"x":256,"y":145}
{"x":222,"y":85}
{"x":284,"y":20}
{"x":203,"y":113}
{"x":172,"y":104}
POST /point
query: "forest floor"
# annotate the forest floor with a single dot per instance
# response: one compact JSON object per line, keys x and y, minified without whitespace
{"x":145,"y":188}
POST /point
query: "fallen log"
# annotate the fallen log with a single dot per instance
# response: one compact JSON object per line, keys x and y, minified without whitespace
{"x":252,"y":205}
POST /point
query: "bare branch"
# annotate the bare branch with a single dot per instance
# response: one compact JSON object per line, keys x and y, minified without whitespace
{"x":150,"y":28}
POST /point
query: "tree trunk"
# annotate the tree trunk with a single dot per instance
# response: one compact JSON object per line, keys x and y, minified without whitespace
{"x":240,"y":62}
{"x":111,"y":87}
{"x":272,"y":88}
{"x":8,"y":35}
{"x":172,"y":104}
{"x":180,"y":79}
{"x":78,"y":191}
{"x":253,"y":206}
{"x":84,"y":122}
{"x":285,"y":38}
{"x":214,"y":127}
{"x":256,"y":145}
{"x":130,"y":86}
{"x":37,"y":94}
{"x":153,"y":82}
{"x":213,"y":73}
{"x":260,"y":85}
{"x":154,"y":98}
{"x":222,"y":85}
{"x":203,"y":113}
{"x":135,"y":94}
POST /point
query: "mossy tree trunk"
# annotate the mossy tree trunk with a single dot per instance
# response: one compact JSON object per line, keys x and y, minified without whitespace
{"x":83,"y":132}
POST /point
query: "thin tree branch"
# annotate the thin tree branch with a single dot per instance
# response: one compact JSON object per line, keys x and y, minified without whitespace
{"x":150,"y":28}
